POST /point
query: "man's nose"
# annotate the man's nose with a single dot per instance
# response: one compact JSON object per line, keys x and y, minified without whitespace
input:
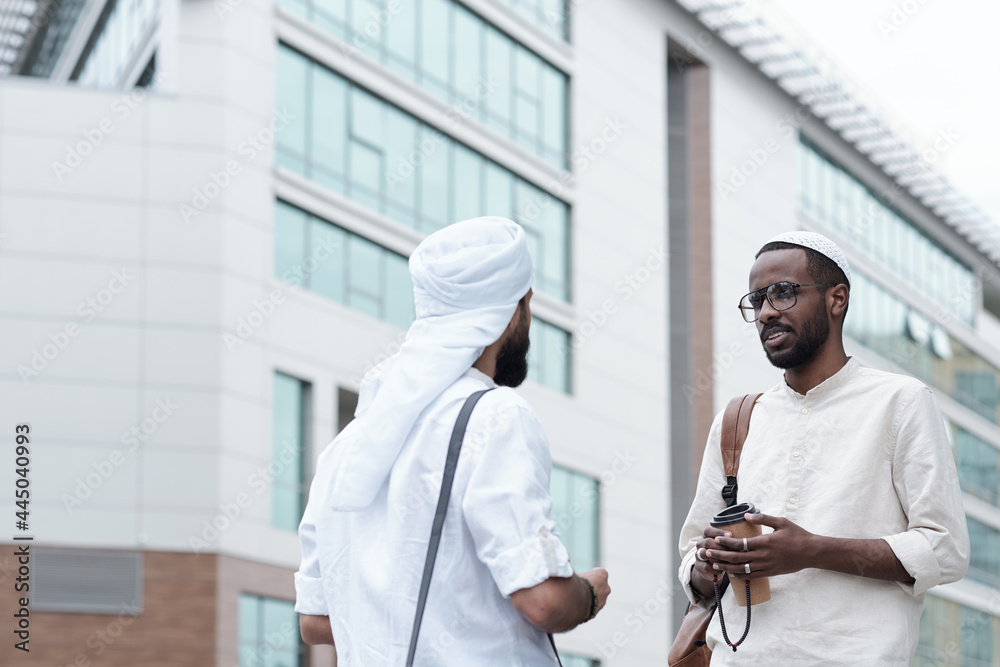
{"x":767,"y":312}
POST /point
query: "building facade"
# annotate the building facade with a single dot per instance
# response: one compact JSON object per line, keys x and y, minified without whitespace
{"x":206,"y":208}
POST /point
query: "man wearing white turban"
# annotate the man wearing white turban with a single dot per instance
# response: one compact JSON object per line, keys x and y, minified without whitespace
{"x":852,"y":469}
{"x":502,"y":577}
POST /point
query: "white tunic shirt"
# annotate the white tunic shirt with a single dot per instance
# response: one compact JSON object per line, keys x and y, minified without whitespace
{"x":862,"y":455}
{"x":363,"y":568}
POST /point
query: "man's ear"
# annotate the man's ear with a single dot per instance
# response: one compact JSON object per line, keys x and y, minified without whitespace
{"x":837,"y":299}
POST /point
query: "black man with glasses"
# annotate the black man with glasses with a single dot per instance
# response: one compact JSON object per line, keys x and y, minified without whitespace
{"x":852,"y":470}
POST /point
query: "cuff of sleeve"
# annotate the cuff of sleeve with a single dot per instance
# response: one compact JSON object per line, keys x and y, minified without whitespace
{"x":917,"y":557}
{"x":530,"y":563}
{"x":309,"y":596}
{"x":685,"y":576}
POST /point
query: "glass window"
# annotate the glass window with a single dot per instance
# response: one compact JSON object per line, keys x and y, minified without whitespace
{"x":499,"y":62}
{"x":344,"y":267}
{"x":292,"y":72}
{"x":954,"y":635}
{"x":548,"y":356}
{"x":877,"y":321}
{"x":888,"y":238}
{"x":575,"y":509}
{"x":467,"y":183}
{"x":469,"y":31}
{"x":269,"y":633}
{"x":570,"y":660}
{"x":329,"y":126}
{"x":434,"y":47}
{"x":985,"y":548}
{"x":388,"y":161}
{"x":289,"y":489}
{"x":119,"y":41}
{"x":289,"y":242}
{"x":327,"y":248}
{"x":549,"y":15}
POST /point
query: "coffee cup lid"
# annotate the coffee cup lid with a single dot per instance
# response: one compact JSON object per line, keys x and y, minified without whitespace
{"x":734,"y":514}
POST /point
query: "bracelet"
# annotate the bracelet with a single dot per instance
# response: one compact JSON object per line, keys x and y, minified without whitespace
{"x":593,"y":599}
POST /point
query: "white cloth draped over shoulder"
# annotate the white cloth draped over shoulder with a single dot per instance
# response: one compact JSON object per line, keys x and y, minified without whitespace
{"x":365,"y":529}
{"x":467,"y":281}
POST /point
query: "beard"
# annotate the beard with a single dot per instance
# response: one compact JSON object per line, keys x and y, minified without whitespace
{"x":814,"y":333}
{"x":512,"y":359}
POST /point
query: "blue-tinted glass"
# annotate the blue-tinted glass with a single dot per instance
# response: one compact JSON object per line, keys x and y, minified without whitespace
{"x":499,"y":191}
{"x":554,"y":113}
{"x":367,"y":25}
{"x":247,"y":617}
{"x":498,"y":69}
{"x":434,"y":181}
{"x":328,"y":268}
{"x":434,"y":40}
{"x":570,"y":660}
{"x":401,"y":32}
{"x":575,"y":509}
{"x":334,"y":14}
{"x":468,"y":60}
{"x":289,"y":241}
{"x":291,"y":95}
{"x":366,"y":174}
{"x":398,"y":291}
{"x":400,"y":144}
{"x":365,"y":261}
{"x":367,"y":118}
{"x":329,"y":120}
{"x":467,"y":176}
{"x":985,"y":549}
{"x":280,"y":619}
{"x":287,"y":451}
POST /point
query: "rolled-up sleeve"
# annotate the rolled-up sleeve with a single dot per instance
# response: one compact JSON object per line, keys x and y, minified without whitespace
{"x":935,"y":547}
{"x":507,"y":505}
{"x":309,"y":596}
{"x":706,"y":504}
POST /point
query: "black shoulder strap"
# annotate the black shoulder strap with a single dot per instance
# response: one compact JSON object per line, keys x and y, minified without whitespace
{"x":455,"y":446}
{"x":451,"y":464}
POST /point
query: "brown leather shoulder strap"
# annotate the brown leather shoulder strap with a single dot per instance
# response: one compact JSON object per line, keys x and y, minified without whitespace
{"x":735,"y":426}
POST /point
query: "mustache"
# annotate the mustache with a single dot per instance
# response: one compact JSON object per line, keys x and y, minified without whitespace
{"x":768,"y":330}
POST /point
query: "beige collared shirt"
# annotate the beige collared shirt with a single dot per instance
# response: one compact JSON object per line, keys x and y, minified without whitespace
{"x":862,"y":455}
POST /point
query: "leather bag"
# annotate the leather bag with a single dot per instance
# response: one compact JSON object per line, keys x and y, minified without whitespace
{"x":689,"y":648}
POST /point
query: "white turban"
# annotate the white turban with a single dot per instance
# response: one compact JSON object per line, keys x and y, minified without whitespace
{"x":467,"y":281}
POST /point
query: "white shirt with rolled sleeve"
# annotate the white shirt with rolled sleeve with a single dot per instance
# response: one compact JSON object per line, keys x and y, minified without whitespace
{"x":864,"y":454}
{"x":363,"y":568}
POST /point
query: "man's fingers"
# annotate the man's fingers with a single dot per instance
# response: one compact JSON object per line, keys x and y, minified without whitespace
{"x":717,"y":532}
{"x":765,"y":520}
{"x":727,"y":556}
{"x":736,"y":543}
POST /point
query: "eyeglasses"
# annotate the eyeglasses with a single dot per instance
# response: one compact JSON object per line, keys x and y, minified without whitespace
{"x":780,"y":295}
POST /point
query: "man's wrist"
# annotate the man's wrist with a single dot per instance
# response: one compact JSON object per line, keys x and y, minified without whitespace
{"x":591,"y":603}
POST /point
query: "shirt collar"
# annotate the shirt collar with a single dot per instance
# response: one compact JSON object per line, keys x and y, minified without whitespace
{"x":477,"y":374}
{"x":830,"y":384}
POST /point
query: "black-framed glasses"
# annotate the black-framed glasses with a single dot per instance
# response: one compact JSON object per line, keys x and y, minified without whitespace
{"x":781,"y":295}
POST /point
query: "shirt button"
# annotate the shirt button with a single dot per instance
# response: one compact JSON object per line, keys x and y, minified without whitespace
{"x":805,"y":411}
{"x":791,"y":501}
{"x":795,"y":454}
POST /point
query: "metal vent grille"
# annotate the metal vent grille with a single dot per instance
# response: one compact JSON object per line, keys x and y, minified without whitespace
{"x":101,"y":582}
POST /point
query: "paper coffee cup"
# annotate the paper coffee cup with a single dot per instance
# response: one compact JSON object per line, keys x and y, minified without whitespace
{"x":731,"y":519}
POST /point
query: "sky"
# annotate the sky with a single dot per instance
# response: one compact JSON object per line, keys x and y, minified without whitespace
{"x":935,"y":67}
